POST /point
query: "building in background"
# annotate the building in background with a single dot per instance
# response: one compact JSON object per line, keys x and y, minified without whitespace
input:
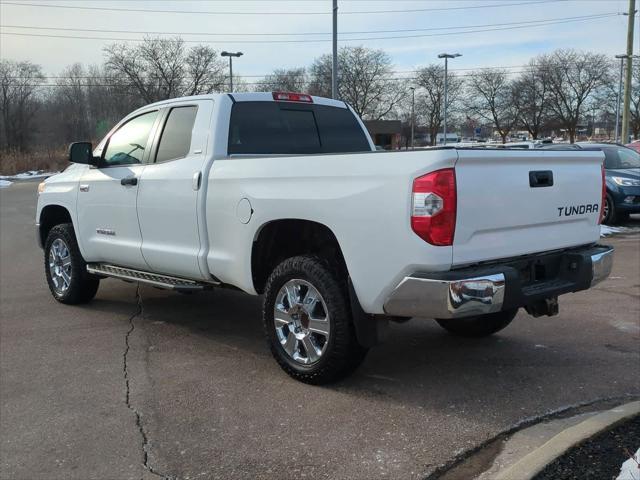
{"x":385,"y":133}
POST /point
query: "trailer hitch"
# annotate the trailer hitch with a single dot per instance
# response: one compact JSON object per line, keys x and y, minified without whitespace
{"x":546,"y":306}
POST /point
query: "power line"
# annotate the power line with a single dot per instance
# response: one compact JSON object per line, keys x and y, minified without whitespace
{"x":207,"y":12}
{"x":528,"y":22}
{"x":316,"y":40}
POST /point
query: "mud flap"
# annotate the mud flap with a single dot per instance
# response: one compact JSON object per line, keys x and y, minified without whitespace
{"x":370,"y":329}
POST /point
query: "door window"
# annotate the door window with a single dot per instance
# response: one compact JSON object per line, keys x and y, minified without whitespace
{"x":126,"y":146}
{"x":176,"y":136}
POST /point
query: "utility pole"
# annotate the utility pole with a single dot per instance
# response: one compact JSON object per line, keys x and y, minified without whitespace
{"x":446,"y":57}
{"x":334,"y":63}
{"x":618,"y":97}
{"x":628,"y":78}
{"x":231,"y":55}
{"x":413,"y":115}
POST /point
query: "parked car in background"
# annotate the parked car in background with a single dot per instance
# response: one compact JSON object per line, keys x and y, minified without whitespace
{"x":635,"y":145}
{"x":520,"y":145}
{"x":622,"y":173}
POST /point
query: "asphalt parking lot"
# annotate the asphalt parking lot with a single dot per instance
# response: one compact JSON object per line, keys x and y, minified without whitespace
{"x":135,"y":386}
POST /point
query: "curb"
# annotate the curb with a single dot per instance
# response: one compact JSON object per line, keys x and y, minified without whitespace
{"x":530,"y":465}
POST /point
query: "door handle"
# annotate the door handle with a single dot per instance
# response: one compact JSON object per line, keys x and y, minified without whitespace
{"x":197,"y":178}
{"x":541,"y":178}
{"x":129,"y":181}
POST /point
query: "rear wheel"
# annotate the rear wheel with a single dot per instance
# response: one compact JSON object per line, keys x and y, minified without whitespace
{"x":307,"y":321}
{"x":65,"y":269}
{"x":480,"y":325}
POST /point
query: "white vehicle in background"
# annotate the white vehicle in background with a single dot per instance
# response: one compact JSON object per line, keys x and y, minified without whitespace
{"x":282,"y":195}
{"x":451,"y":138}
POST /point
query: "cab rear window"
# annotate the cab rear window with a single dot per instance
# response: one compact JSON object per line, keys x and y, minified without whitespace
{"x":292,"y":128}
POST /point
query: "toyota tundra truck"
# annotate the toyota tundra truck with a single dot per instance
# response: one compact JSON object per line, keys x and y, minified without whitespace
{"x":284,"y":195}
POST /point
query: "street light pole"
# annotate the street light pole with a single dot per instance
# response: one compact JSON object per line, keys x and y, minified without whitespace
{"x":618,"y":138}
{"x":628,"y":77}
{"x":446,"y":57}
{"x":231,"y":55}
{"x":413,"y":115}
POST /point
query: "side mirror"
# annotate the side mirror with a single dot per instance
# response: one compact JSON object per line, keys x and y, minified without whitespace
{"x":82,"y":152}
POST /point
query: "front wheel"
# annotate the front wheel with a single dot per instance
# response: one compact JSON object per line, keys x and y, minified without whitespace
{"x":307,"y":321}
{"x":480,"y":325}
{"x":65,"y":269}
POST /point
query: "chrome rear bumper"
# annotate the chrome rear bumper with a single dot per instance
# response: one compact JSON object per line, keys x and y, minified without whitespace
{"x":601,"y":265}
{"x":479,"y":291}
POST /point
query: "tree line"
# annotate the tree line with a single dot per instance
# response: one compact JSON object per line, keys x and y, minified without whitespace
{"x":559,"y":91}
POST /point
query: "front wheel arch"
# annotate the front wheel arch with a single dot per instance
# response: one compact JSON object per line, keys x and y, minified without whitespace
{"x":50,"y":216}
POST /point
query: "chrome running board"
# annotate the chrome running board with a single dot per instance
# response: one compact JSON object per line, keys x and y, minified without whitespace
{"x":157,"y":280}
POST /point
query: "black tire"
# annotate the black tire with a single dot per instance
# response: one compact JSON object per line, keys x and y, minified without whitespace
{"x":342,"y":353}
{"x":478,"y":326}
{"x":82,"y":286}
{"x":612,"y":217}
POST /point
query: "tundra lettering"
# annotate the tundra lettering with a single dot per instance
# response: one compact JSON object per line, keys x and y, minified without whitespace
{"x":283,"y":195}
{"x":577,"y":210}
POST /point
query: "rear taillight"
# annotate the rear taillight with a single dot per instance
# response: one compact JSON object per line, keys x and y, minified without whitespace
{"x":604,"y":196}
{"x":433,"y":207}
{"x":292,"y":97}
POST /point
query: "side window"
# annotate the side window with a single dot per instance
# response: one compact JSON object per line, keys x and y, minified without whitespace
{"x":273,"y":128}
{"x":175,"y":141}
{"x":126,"y":146}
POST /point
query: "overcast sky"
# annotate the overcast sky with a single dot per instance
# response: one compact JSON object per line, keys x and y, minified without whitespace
{"x":508,"y":47}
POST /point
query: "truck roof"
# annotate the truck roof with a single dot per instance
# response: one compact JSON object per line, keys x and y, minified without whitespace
{"x":247,"y":97}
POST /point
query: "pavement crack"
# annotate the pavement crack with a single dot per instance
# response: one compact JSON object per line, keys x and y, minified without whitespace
{"x":125,"y":368}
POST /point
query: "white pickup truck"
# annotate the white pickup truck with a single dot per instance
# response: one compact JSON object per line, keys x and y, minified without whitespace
{"x":284,"y":195}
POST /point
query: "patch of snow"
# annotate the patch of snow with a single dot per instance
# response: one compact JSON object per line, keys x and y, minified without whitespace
{"x":4,"y":183}
{"x":607,"y":230}
{"x":29,"y":174}
{"x":630,"y":469}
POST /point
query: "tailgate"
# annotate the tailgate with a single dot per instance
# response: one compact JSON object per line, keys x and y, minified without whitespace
{"x":500,"y":214}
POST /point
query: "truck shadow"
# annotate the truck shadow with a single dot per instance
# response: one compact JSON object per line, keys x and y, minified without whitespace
{"x":418,"y":365}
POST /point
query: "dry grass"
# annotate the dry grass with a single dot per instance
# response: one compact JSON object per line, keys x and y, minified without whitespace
{"x":48,"y":159}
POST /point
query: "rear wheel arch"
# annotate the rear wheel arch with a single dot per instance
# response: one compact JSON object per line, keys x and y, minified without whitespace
{"x":50,"y":216}
{"x":278,"y":240}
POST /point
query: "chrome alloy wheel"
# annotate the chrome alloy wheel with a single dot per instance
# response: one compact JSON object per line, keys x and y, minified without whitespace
{"x":60,"y":265}
{"x":301,"y":321}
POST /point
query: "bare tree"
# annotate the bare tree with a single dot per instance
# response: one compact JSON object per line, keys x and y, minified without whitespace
{"x":532,"y":98}
{"x":430,"y":97}
{"x":108,"y":99}
{"x":69,"y":105}
{"x":19,"y":82}
{"x":162,"y":68}
{"x":573,"y":77}
{"x":206,"y":72}
{"x":490,"y":95}
{"x":284,"y":80}
{"x":364,"y":81}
